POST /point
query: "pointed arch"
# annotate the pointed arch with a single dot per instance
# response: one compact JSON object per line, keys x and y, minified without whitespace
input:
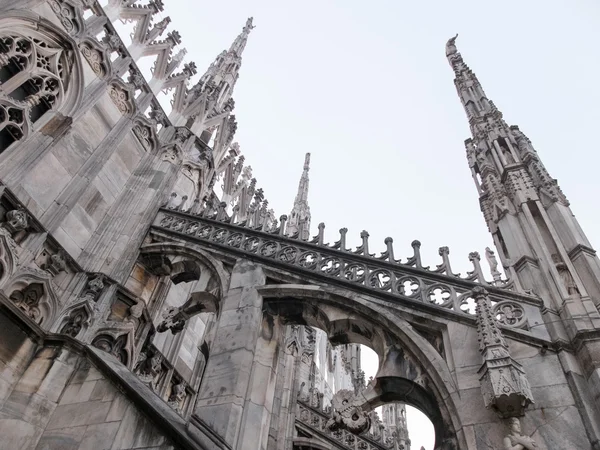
{"x":398,"y":377}
{"x":193,"y":252}
{"x":44,"y":71}
{"x":117,"y":342}
{"x":33,"y":292}
{"x":75,"y":320}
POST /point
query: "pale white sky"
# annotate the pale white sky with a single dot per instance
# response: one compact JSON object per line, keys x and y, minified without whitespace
{"x":365,"y":87}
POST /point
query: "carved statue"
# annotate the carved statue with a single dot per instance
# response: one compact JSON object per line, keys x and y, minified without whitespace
{"x":75,"y":324}
{"x":523,"y":142}
{"x":55,"y":264}
{"x":471,"y":152}
{"x":148,"y":369}
{"x":508,"y":155}
{"x":94,"y":287}
{"x":493,"y":263}
{"x":177,"y":396}
{"x":451,"y":46}
{"x":514,"y":440}
{"x":172,"y":203}
{"x":16,"y":220}
{"x":249,"y":25}
{"x":566,"y":277}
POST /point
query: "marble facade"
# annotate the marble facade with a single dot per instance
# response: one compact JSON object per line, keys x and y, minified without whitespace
{"x":151,"y":299}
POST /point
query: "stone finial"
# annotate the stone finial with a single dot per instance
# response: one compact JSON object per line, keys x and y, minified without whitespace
{"x":503,"y":383}
{"x":343,"y":232}
{"x":477,"y":272}
{"x":444,"y":252}
{"x":416,"y":258}
{"x":389,"y":242}
{"x":282,"y":219}
{"x":321,"y":233}
{"x":364,"y":248}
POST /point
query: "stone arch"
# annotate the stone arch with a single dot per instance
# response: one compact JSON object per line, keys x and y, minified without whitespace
{"x":97,"y":56}
{"x":122,"y":95}
{"x":304,"y":443}
{"x":75,"y":320}
{"x":185,"y":271}
{"x":40,"y":71}
{"x":404,"y":355}
{"x":33,"y":293}
{"x":145,"y":132}
{"x":173,"y":248}
{"x":201,"y":294}
{"x":117,"y":343}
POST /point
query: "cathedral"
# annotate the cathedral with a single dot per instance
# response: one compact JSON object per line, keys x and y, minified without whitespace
{"x":151,"y":299}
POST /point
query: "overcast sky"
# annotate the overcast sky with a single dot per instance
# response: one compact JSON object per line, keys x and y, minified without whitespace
{"x":366,"y":88}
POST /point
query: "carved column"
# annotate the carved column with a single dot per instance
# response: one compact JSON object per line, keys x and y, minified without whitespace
{"x":244,"y":339}
{"x":287,"y":395}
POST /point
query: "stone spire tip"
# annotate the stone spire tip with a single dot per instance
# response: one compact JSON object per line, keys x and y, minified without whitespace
{"x":451,"y":46}
{"x":307,"y":161}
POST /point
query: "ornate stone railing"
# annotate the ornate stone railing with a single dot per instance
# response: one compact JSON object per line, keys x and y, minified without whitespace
{"x":408,"y":281}
{"x":317,"y":420}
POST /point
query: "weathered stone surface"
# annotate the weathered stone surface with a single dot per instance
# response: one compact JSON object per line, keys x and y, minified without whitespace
{"x":110,"y":181}
{"x":79,"y":414}
{"x":63,"y":438}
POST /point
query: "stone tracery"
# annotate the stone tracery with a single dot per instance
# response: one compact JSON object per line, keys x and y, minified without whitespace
{"x":239,"y":225}
{"x":39,"y":72}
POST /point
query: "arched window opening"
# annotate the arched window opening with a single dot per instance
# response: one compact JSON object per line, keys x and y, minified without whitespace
{"x":397,"y":422}
{"x":38,"y":73}
{"x":10,"y":132}
{"x":505,"y":151}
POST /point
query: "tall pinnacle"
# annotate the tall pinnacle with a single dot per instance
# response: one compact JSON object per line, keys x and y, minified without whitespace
{"x":299,"y":220}
{"x":239,"y":44}
{"x":221,"y":76}
{"x":470,"y":91}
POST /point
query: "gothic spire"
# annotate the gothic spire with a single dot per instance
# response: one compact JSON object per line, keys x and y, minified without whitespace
{"x":239,"y":44}
{"x":206,"y":107}
{"x":299,"y":221}
{"x":525,"y":210}
{"x":471,"y":93}
{"x":223,"y":73}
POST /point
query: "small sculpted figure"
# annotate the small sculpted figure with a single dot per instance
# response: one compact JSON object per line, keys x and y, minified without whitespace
{"x":565,"y":275}
{"x":493,"y":263}
{"x":514,"y":440}
{"x":451,"y":46}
